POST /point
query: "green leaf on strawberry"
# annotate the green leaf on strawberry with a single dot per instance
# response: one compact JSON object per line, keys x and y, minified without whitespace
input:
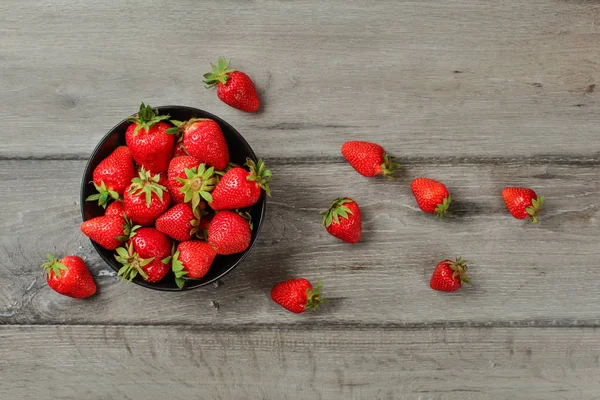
{"x":197,"y":184}
{"x":146,"y":184}
{"x":259,"y":174}
{"x":146,"y":117}
{"x":53,"y":265}
{"x":336,"y":210}
{"x":133,"y":264}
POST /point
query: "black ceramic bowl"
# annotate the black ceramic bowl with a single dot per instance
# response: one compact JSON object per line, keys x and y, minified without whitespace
{"x":239,"y":150}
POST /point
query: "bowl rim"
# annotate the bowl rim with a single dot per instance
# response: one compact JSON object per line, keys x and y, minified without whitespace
{"x":257,"y":227}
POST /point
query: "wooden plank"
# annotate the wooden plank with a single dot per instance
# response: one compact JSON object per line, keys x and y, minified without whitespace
{"x":523,"y":274}
{"x":129,"y":362}
{"x":436,"y":79}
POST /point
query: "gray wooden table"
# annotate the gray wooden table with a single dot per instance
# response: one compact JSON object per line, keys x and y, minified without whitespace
{"x":479,"y":94}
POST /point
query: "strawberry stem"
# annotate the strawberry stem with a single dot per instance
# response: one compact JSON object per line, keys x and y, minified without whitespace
{"x":219,"y":74}
{"x":534,"y":209}
{"x":460,"y":269}
{"x":133,"y":264}
{"x":53,"y":265}
{"x":314,"y":298}
{"x":259,"y":174}
{"x":146,"y":185}
{"x":441,"y":210}
{"x":104,"y":195}
{"x":389,"y":167}
{"x":198,"y":183}
{"x":146,"y":117}
{"x":336,"y":210}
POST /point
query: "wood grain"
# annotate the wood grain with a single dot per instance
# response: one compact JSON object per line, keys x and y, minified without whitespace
{"x":180,"y":362}
{"x":437,"y":79}
{"x":524,"y":274}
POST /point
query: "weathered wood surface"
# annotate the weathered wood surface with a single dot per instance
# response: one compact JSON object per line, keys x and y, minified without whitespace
{"x":544,"y":274}
{"x":440,"y":78}
{"x":478,"y":94}
{"x":181,"y":362}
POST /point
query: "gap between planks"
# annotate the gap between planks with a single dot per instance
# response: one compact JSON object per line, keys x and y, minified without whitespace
{"x":557,"y":159}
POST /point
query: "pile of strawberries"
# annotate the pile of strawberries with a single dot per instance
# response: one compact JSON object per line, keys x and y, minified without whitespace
{"x":177,"y":201}
{"x":173,"y":201}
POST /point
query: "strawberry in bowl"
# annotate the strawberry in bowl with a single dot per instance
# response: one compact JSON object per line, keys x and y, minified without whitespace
{"x":171,"y":192}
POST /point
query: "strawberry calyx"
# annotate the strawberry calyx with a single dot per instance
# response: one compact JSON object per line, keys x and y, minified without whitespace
{"x":460,"y":269}
{"x":104,"y":195}
{"x":145,"y":184}
{"x":389,"y":167}
{"x":53,"y":265}
{"x":259,"y":174}
{"x":198,"y":183}
{"x":198,"y":214}
{"x":245,"y":213}
{"x":177,"y":267}
{"x":534,"y":209}
{"x":336,"y":210}
{"x":441,"y":210}
{"x":129,"y":230}
{"x":220,"y":73}
{"x":314,"y":298}
{"x":146,"y":117}
{"x":181,"y":126}
{"x":133,"y":264}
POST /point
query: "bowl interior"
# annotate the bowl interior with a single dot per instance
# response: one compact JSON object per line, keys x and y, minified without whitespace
{"x":239,"y":150}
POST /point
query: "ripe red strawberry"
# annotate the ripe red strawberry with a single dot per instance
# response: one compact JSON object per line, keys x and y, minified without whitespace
{"x":432,"y":196}
{"x":229,"y":233}
{"x":115,"y":208}
{"x":109,"y":231}
{"x":239,"y":188}
{"x":369,"y":159}
{"x":234,"y":88}
{"x":204,"y":139}
{"x":297,"y":295}
{"x":148,"y":140}
{"x":179,"y":222}
{"x":145,"y":199}
{"x":192,"y":260}
{"x":522,"y":202}
{"x":449,"y":276}
{"x":112,"y":176}
{"x":148,"y":254}
{"x":69,"y":276}
{"x":343,"y":220}
{"x":190,"y":181}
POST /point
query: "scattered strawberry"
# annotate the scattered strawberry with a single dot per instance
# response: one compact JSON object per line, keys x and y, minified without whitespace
{"x":148,"y":254}
{"x":179,"y":222}
{"x":449,"y":276}
{"x":229,"y":233}
{"x":109,"y":231}
{"x":145,"y":199}
{"x":192,"y":260}
{"x":343,"y":220}
{"x":203,"y":139}
{"x":239,"y":188}
{"x":522,"y":202}
{"x":115,"y":208}
{"x":369,"y":159}
{"x":69,"y":276}
{"x":297,"y":295}
{"x":148,"y":140}
{"x":112,"y":176}
{"x":432,"y":196}
{"x":234,"y":88}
